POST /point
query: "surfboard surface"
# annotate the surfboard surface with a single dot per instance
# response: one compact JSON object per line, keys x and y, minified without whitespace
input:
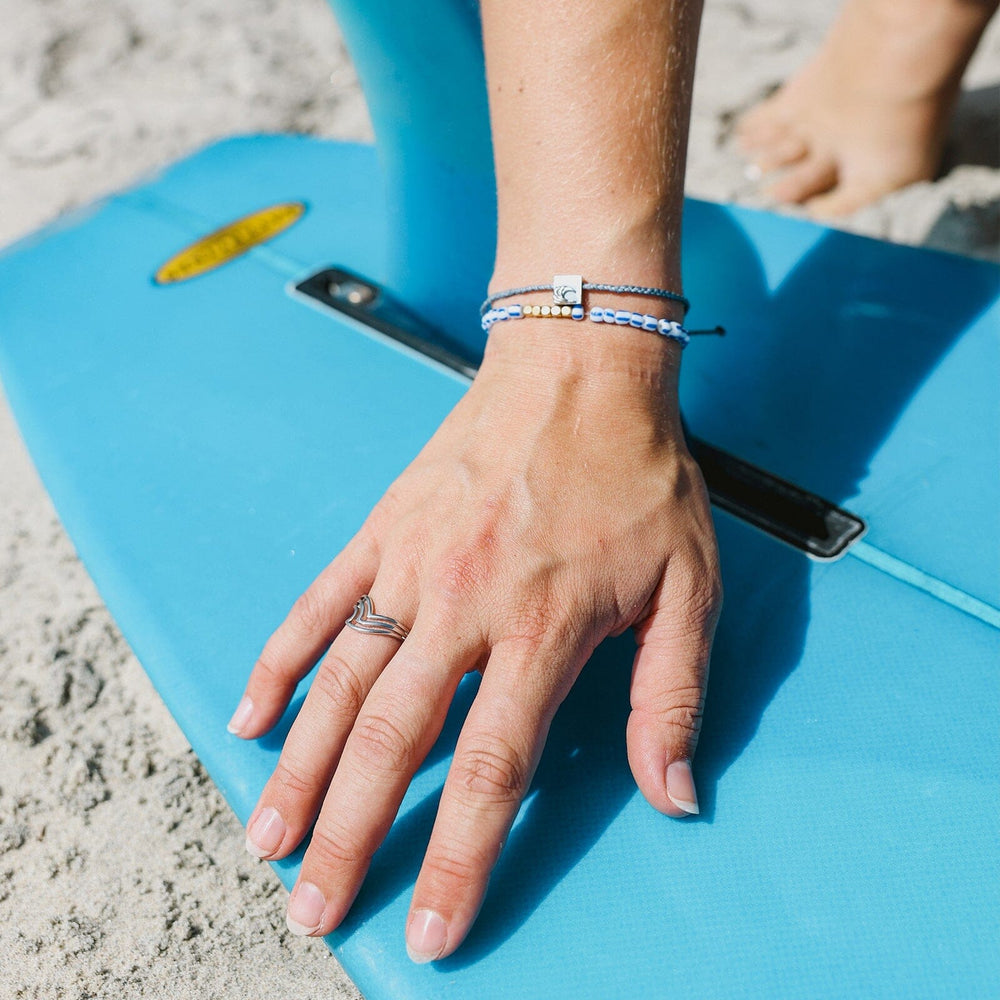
{"x":211,"y":443}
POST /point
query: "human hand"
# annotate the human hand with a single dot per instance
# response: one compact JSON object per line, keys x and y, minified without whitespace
{"x":556,"y":505}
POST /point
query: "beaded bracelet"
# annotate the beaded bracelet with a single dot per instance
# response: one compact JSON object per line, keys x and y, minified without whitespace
{"x":568,"y":289}
{"x":619,"y":317}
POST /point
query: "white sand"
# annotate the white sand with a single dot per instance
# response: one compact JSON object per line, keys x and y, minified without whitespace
{"x":122,"y":871}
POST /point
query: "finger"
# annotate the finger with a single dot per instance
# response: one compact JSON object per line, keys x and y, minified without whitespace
{"x":293,"y":794}
{"x":812,"y":176}
{"x":315,"y":620}
{"x":494,"y":762}
{"x":668,"y":690}
{"x":395,"y":730}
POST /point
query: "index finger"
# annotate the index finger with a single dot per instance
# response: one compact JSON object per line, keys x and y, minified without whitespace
{"x":315,"y":620}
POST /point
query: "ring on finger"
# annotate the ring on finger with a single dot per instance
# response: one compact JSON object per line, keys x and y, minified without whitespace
{"x":364,"y":619}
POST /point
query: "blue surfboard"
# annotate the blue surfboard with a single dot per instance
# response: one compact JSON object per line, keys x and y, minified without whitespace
{"x":202,"y":440}
{"x":848,"y":763}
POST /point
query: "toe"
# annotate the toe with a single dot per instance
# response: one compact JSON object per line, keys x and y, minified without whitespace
{"x":752,"y":137}
{"x":838,"y":202}
{"x":783,"y":152}
{"x":812,"y":176}
{"x":761,"y":125}
{"x":852,"y":194}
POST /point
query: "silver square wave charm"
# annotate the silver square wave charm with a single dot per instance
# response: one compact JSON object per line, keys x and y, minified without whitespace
{"x":567,"y":289}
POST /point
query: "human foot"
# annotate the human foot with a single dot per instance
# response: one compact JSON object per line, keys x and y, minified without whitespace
{"x":869,"y":114}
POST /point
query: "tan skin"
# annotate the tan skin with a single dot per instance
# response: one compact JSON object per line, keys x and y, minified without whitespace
{"x":556,"y":505}
{"x":870,"y":112}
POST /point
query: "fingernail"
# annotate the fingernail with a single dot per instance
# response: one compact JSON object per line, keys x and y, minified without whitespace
{"x":680,"y":787}
{"x":752,"y":172}
{"x":305,"y":909}
{"x":265,"y":833}
{"x":426,"y":936}
{"x":241,"y":716}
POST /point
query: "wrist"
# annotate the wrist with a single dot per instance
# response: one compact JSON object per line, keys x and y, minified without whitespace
{"x":649,"y":259}
{"x":612,"y":373}
{"x":627,"y":237}
{"x":651,"y":271}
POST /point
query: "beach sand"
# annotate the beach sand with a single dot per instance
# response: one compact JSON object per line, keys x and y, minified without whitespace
{"x":122,"y":870}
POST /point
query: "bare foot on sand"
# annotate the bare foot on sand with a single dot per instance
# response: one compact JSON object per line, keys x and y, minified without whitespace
{"x":870,"y":113}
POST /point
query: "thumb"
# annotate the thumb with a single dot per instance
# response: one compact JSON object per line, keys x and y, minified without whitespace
{"x":668,"y":691}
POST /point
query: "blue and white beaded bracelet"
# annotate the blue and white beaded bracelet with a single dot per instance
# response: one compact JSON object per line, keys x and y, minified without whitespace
{"x":668,"y":328}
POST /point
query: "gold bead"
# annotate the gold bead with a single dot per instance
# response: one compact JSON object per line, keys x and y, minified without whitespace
{"x":565,"y":311}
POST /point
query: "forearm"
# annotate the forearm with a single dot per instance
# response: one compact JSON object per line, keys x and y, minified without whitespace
{"x":590,"y":103}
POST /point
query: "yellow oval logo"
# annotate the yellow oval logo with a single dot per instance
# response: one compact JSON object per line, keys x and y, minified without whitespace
{"x":229,"y":242}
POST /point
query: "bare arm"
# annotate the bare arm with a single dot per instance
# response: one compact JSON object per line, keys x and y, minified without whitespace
{"x":590,"y":102}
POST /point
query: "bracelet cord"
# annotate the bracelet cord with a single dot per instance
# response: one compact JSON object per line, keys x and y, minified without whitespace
{"x":589,"y":286}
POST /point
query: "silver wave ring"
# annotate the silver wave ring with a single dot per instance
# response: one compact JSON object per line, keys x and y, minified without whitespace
{"x":364,"y":619}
